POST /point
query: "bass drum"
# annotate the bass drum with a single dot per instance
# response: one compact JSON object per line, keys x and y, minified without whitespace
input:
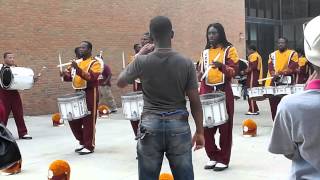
{"x":16,"y":78}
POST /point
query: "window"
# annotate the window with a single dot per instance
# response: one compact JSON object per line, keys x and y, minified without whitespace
{"x":301,"y":8}
{"x":314,"y":8}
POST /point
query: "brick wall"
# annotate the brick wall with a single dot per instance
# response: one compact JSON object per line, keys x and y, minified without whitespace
{"x":37,"y":31}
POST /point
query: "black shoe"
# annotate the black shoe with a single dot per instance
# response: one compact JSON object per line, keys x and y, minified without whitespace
{"x":26,"y":136}
{"x":85,"y":151}
{"x":79,"y":149}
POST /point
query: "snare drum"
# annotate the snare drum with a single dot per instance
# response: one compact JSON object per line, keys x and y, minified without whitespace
{"x":16,"y":78}
{"x":282,"y":90}
{"x":236,"y":90}
{"x":132,"y":105}
{"x":256,"y":93}
{"x":73,"y":106}
{"x":214,"y":109}
{"x":298,"y":88}
{"x":268,"y":91}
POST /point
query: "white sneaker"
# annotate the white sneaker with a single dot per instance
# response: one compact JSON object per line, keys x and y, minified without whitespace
{"x":220,"y":167}
{"x":79,"y":148}
{"x":85,"y":151}
{"x":210,"y":164}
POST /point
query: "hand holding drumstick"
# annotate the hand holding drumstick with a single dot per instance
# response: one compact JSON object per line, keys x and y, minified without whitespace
{"x":36,"y":78}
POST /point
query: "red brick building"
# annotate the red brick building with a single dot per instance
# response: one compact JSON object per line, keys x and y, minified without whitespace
{"x":37,"y":31}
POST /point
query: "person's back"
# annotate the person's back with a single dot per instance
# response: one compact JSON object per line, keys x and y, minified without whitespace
{"x":165,"y":75}
{"x":298,"y":117}
{"x":164,"y":129}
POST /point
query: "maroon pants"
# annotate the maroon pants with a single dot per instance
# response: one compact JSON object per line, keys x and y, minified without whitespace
{"x":84,"y":129}
{"x":274,"y":101}
{"x":12,"y":102}
{"x":223,"y":154}
{"x":135,"y":124}
{"x":253,"y":107}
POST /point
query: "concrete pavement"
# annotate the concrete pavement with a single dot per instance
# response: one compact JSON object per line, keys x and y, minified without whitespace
{"x":114,"y":157}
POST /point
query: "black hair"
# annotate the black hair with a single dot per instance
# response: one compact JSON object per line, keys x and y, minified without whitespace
{"x":252,"y":47}
{"x":89,"y":44}
{"x":6,"y":54}
{"x":285,"y":39}
{"x":160,"y":27}
{"x":222,"y":35}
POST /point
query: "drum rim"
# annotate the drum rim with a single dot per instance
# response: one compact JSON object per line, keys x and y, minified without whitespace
{"x":63,"y":98}
{"x":6,"y":68}
{"x":221,"y":98}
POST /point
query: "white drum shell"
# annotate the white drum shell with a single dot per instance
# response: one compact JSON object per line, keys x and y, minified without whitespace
{"x":21,"y":78}
{"x":214,"y":109}
{"x":132,"y":105}
{"x":73,"y":106}
{"x":298,"y":88}
{"x":255,"y":92}
{"x":236,"y":90}
{"x":268,"y":90}
{"x":283,"y":90}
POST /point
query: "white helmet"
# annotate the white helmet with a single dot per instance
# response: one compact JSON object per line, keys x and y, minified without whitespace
{"x":312,"y":41}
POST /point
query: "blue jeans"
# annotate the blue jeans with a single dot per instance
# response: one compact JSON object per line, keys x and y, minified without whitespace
{"x":169,"y":137}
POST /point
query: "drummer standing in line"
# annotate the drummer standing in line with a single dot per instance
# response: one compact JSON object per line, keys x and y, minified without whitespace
{"x":253,"y":72}
{"x":282,"y":63}
{"x":302,"y":74}
{"x":12,"y":102}
{"x":147,"y":47}
{"x":220,"y":73}
{"x":84,"y":76}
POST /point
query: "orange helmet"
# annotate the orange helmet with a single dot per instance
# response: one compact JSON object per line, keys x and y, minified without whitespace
{"x":249,"y":128}
{"x":12,"y":169}
{"x":166,"y":176}
{"x":103,"y":110}
{"x":59,"y":170}
{"x":56,"y":119}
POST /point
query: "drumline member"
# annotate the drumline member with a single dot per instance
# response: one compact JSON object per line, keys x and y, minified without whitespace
{"x":106,"y":97}
{"x":219,"y":79}
{"x":84,"y":76}
{"x":146,"y":47}
{"x":253,"y":72}
{"x":302,"y":74}
{"x":282,"y":63}
{"x":12,"y":101}
{"x":296,"y":132}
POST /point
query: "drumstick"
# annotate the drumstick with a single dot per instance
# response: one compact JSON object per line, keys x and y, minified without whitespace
{"x":69,"y":63}
{"x":101,"y":54}
{"x":207,"y":71}
{"x":60,"y":66}
{"x":264,"y":79}
{"x":123,"y":61}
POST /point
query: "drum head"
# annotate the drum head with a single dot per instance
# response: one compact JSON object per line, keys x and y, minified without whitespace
{"x":6,"y":77}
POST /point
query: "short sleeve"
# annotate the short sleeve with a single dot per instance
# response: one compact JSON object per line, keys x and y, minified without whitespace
{"x":233,"y":55}
{"x":133,"y":70}
{"x":281,"y":137}
{"x":192,"y":82}
{"x":96,"y":67}
{"x":295,"y":57}
{"x":253,"y":58}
